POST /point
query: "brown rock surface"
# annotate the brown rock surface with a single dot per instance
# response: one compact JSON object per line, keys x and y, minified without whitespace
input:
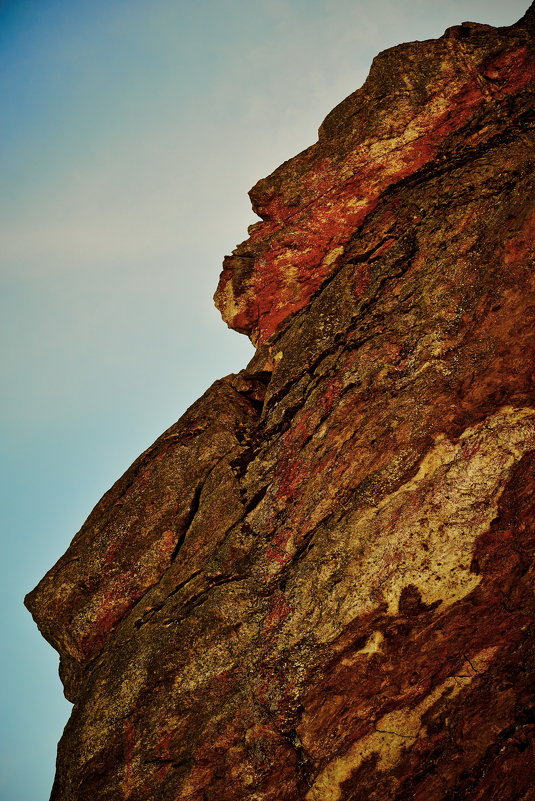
{"x":318,"y":584}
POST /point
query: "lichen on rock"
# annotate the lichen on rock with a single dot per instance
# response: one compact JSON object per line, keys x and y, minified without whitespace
{"x":318,"y":584}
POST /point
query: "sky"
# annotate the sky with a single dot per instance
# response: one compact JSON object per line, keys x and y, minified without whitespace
{"x":131,"y":133}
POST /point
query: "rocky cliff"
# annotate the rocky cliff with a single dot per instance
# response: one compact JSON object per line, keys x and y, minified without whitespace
{"x":318,"y":583}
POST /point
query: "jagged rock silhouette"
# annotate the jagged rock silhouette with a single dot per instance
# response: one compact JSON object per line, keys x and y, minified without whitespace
{"x":318,"y":583}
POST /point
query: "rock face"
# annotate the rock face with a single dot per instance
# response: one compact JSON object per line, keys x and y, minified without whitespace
{"x":318,"y":584}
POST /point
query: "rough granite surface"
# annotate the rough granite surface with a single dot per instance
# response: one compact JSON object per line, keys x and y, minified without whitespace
{"x":318,"y":584}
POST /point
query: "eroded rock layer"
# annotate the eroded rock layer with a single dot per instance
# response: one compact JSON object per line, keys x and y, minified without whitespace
{"x":318,"y":584}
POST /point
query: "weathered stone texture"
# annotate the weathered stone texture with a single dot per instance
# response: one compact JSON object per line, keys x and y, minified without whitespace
{"x":318,"y":584}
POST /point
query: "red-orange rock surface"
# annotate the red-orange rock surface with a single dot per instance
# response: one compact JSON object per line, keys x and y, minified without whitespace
{"x":318,"y":584}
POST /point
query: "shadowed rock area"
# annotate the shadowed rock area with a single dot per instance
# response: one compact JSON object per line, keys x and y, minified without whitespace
{"x":318,"y":584}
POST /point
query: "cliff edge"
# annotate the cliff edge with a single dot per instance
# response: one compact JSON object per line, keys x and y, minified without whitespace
{"x":318,"y":584}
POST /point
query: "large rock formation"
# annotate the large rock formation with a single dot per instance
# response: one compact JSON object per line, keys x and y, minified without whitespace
{"x":317,"y":584}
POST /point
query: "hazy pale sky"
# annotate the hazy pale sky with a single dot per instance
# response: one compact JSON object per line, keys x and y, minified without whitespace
{"x":131,"y":133}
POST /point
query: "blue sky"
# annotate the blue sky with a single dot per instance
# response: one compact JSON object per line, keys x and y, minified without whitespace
{"x":131,"y":133}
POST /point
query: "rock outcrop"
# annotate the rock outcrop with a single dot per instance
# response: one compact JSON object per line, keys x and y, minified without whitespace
{"x":318,"y":584}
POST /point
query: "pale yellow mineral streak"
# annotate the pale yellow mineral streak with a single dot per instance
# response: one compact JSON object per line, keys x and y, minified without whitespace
{"x":393,"y":733}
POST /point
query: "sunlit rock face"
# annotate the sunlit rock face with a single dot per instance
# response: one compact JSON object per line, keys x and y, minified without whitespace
{"x":318,"y":584}
{"x":422,"y":104}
